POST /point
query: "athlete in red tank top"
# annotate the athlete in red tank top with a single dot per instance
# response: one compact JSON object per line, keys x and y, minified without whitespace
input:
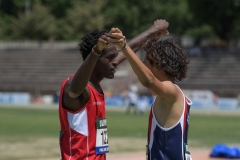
{"x":78,"y":133}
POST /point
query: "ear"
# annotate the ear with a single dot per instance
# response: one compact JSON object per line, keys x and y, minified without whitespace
{"x":156,"y":68}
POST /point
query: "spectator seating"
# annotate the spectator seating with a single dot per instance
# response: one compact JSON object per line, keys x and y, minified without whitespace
{"x":43,"y":70}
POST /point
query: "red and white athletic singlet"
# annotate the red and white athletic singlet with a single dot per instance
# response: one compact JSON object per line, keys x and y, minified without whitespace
{"x":78,"y":129}
{"x":169,"y":143}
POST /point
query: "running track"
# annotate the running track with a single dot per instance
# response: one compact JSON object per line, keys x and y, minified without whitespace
{"x":196,"y":155}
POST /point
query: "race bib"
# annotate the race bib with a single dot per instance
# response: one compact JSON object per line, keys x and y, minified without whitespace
{"x":101,"y":136}
{"x":147,"y":152}
{"x":187,"y":153}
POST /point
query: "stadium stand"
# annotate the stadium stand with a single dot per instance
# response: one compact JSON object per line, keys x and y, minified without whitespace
{"x":42,"y":70}
{"x":36,"y":70}
{"x":218,"y":72}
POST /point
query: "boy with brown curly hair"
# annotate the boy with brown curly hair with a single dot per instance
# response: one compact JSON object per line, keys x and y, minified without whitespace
{"x":164,"y":65}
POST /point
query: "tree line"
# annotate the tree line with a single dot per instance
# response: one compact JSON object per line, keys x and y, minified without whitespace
{"x":71,"y":19}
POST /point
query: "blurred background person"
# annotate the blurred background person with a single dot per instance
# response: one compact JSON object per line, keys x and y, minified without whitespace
{"x":142,"y":104}
{"x":132,"y":99}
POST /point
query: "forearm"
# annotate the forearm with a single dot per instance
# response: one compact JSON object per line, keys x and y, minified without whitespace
{"x":138,"y":41}
{"x":144,"y":75}
{"x":81,"y":77}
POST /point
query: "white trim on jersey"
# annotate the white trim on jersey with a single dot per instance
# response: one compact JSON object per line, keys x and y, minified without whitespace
{"x":78,"y":122}
{"x":70,"y":142}
{"x":180,"y":119}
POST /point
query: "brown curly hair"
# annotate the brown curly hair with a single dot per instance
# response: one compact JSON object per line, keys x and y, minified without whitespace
{"x":169,"y":56}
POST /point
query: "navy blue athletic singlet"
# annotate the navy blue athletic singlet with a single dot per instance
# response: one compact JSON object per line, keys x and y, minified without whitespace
{"x":169,"y":143}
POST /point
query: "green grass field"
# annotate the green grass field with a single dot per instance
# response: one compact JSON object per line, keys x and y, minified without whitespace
{"x":205,"y":129}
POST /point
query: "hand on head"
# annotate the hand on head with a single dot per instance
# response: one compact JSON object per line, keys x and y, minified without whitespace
{"x":159,"y":27}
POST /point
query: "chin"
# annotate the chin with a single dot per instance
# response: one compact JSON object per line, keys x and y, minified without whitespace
{"x":110,"y":77}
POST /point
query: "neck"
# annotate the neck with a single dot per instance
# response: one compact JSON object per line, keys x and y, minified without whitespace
{"x":95,"y":80}
{"x":165,"y":77}
{"x":95,"y":83}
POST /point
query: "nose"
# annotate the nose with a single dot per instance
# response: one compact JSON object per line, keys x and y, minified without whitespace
{"x":115,"y":63}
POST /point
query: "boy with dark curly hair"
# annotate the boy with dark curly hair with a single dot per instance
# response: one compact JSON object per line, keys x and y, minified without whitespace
{"x":83,"y":134}
{"x":164,"y":65}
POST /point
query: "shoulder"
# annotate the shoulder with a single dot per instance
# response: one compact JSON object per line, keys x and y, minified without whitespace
{"x":76,"y":103}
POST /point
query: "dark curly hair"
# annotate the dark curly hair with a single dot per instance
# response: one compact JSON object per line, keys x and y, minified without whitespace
{"x":89,"y":41}
{"x":169,"y":56}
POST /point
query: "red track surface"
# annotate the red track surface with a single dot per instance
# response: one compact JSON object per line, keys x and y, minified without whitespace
{"x":196,"y":155}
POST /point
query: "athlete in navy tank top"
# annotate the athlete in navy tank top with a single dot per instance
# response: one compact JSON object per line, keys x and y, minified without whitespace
{"x":169,"y":143}
{"x":165,"y":64}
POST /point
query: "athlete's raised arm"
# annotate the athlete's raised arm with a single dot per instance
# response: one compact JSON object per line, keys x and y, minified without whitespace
{"x":138,"y":41}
